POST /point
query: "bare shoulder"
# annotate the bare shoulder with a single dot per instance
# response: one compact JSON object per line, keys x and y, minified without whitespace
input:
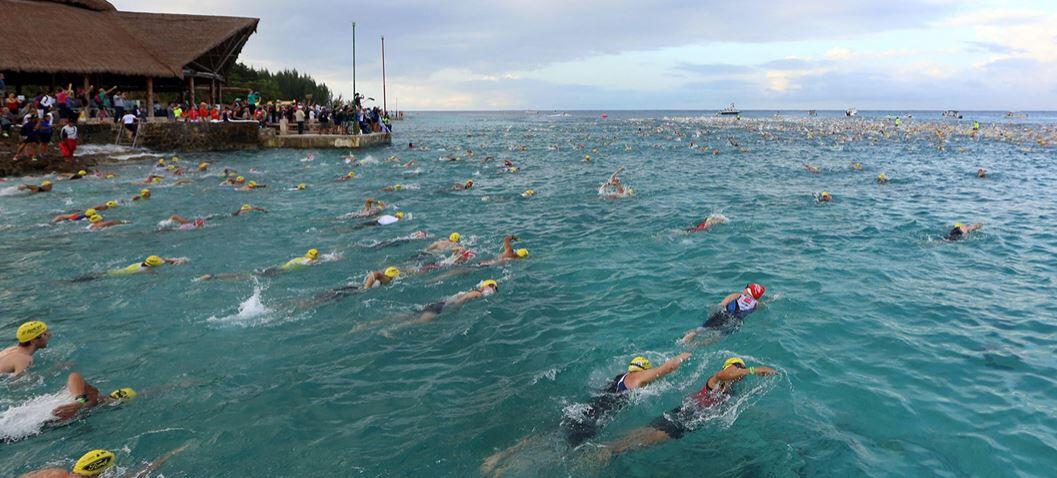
{"x":48,"y":473}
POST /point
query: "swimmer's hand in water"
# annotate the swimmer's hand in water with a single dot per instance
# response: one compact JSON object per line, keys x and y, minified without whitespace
{"x":65,"y":412}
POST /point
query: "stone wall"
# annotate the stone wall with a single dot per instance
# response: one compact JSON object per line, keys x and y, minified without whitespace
{"x":168,"y":136}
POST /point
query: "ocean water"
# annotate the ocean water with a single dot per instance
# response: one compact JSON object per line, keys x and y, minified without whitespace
{"x":900,"y":354}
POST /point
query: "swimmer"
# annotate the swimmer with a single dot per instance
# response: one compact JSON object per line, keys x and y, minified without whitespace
{"x":823,"y":197}
{"x":882,"y":179}
{"x":78,"y":175}
{"x":980,"y":173}
{"x":97,"y":462}
{"x":230,"y":172}
{"x":380,"y":278}
{"x":677,"y":422}
{"x":76,"y":216}
{"x":98,"y":223}
{"x":394,"y":187}
{"x":31,"y":336}
{"x":32,"y":188}
{"x":248,"y":208}
{"x":414,"y":236}
{"x":236,"y":181}
{"x":708,"y":223}
{"x":153,"y":179}
{"x":203,"y":166}
{"x":160,"y":164}
{"x":444,"y":244}
{"x":612,"y":188}
{"x":458,"y":256}
{"x":856,"y":166}
{"x":528,"y":193}
{"x":587,"y":158}
{"x":187,"y":224}
{"x":385,"y":220}
{"x":143,"y":194}
{"x":349,"y":175}
{"x":301,"y":187}
{"x":86,"y":397}
{"x":410,"y":164}
{"x":959,"y":231}
{"x":252,"y":185}
{"x":812,"y":169}
{"x":733,"y":309}
{"x":508,"y":253}
{"x":598,"y":410}
{"x":310,"y":258}
{"x":371,"y":207}
{"x":148,"y":265}
{"x":463,"y":186}
{"x":430,"y":312}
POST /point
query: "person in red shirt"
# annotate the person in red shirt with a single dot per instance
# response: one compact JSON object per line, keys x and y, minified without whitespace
{"x":203,"y":110}
{"x":192,"y":115}
{"x":216,"y":113}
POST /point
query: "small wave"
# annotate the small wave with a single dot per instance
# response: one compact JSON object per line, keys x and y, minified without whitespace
{"x":369,"y":160}
{"x":10,"y":191}
{"x":29,"y":418}
{"x":251,"y":312}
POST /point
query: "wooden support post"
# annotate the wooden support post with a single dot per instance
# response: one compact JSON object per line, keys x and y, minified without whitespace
{"x":150,"y":97}
{"x":192,"y":80}
{"x":212,"y":91}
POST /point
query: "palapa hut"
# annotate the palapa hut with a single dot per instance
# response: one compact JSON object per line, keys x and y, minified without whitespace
{"x":90,"y":43}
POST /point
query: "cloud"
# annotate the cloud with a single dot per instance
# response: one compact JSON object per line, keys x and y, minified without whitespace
{"x":714,"y":69}
{"x":989,"y":47}
{"x":790,"y":64}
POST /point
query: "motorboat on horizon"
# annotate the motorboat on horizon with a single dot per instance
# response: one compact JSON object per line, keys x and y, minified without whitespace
{"x":729,"y":111}
{"x":851,"y":112}
{"x":952,"y":114}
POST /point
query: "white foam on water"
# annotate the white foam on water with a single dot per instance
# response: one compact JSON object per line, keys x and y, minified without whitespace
{"x":10,"y":191}
{"x":29,"y":418}
{"x":252,"y":312}
{"x":369,"y":160}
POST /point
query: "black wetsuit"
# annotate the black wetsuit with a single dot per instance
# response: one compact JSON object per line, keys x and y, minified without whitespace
{"x":612,"y":399}
{"x":955,"y":234}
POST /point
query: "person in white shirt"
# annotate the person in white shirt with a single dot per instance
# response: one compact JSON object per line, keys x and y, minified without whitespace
{"x":131,"y":123}
{"x":69,"y":140}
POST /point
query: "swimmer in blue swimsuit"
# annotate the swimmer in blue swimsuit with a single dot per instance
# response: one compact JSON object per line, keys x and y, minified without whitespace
{"x":733,"y":309}
{"x":677,"y":422}
{"x":600,"y":408}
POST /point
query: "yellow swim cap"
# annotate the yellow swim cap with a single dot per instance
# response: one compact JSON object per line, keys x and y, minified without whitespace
{"x":399,"y":215}
{"x":252,"y":184}
{"x":392,"y":272}
{"x":82,"y":172}
{"x":161,"y":161}
{"x":95,"y":218}
{"x":94,"y":463}
{"x":154,"y":261}
{"x":528,"y":192}
{"x":399,"y":187}
{"x":90,"y":212}
{"x":733,"y":361}
{"x":522,"y":253}
{"x":203,"y":165}
{"x":175,"y":158}
{"x":123,"y":394}
{"x":245,"y":207}
{"x":46,"y":183}
{"x":111,"y":204}
{"x":110,"y":175}
{"x":239,"y":179}
{"x":301,"y":186}
{"x":156,"y":180}
{"x":31,"y":330}
{"x":171,"y":167}
{"x":958,"y":225}
{"x":351,"y":175}
{"x":312,"y":254}
{"x":487,"y":283}
{"x":144,"y":192}
{"x":639,"y":363}
{"x":454,"y":237}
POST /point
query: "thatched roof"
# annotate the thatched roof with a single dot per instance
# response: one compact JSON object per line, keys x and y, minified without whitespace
{"x":95,"y":38}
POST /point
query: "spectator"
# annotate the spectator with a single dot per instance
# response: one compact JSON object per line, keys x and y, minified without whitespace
{"x":11,"y":103}
{"x":299,"y":116}
{"x":119,"y":106}
{"x":69,"y":140}
{"x":130,"y":122}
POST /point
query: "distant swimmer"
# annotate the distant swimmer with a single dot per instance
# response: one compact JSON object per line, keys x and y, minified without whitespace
{"x":597,"y":412}
{"x":508,"y":254}
{"x":252,"y":185}
{"x":148,"y":265}
{"x":458,"y":256}
{"x":144,"y":194}
{"x":676,"y":423}
{"x":97,"y":223}
{"x":349,"y":175}
{"x":33,"y":188}
{"x":431,"y":311}
{"x":301,"y":187}
{"x":385,"y":220}
{"x":812,"y":169}
{"x":587,"y":158}
{"x":310,"y":258}
{"x":85,"y":397}
{"x":733,"y":309}
{"x":882,"y":178}
{"x":153,"y":179}
{"x":823,"y":197}
{"x":446,"y":244}
{"x":77,"y":216}
{"x":613,"y":188}
{"x":248,"y":208}
{"x":708,"y":223}
{"x":31,"y":336}
{"x":78,"y":175}
{"x":414,"y":236}
{"x":187,"y":224}
{"x":203,"y":166}
{"x":856,"y":166}
{"x":380,"y":278}
{"x":393,"y":188}
{"x":371,"y":207}
{"x":236,"y":181}
{"x":97,"y":462}
{"x":463,"y":186}
{"x":528,"y":193}
{"x":980,"y":173}
{"x":960,"y":231}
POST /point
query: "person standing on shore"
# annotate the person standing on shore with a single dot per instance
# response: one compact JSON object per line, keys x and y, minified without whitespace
{"x":69,"y":140}
{"x":119,"y":106}
{"x":299,"y":116}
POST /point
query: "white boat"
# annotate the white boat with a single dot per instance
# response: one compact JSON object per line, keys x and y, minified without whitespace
{"x":729,"y":111}
{"x":851,"y":112}
{"x":952,"y":114}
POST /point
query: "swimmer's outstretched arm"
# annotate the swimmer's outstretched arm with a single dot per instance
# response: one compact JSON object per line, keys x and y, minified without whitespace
{"x":83,"y":391}
{"x":156,"y":463}
{"x":614,"y":175}
{"x":657,"y":372}
{"x":508,"y":250}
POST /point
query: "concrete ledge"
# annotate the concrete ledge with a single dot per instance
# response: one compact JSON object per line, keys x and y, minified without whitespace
{"x":324,"y":141}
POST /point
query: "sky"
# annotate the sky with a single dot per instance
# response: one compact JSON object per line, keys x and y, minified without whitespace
{"x":663,"y":54}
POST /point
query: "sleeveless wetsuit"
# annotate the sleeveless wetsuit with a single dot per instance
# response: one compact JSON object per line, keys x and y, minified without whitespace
{"x":580,"y":429}
{"x":731,"y":316}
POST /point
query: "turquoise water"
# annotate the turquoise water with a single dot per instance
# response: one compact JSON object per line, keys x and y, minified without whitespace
{"x":900,"y":354}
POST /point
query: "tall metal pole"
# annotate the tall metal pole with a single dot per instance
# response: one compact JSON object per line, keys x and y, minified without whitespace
{"x":354,"y":61}
{"x":384,"y":109}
